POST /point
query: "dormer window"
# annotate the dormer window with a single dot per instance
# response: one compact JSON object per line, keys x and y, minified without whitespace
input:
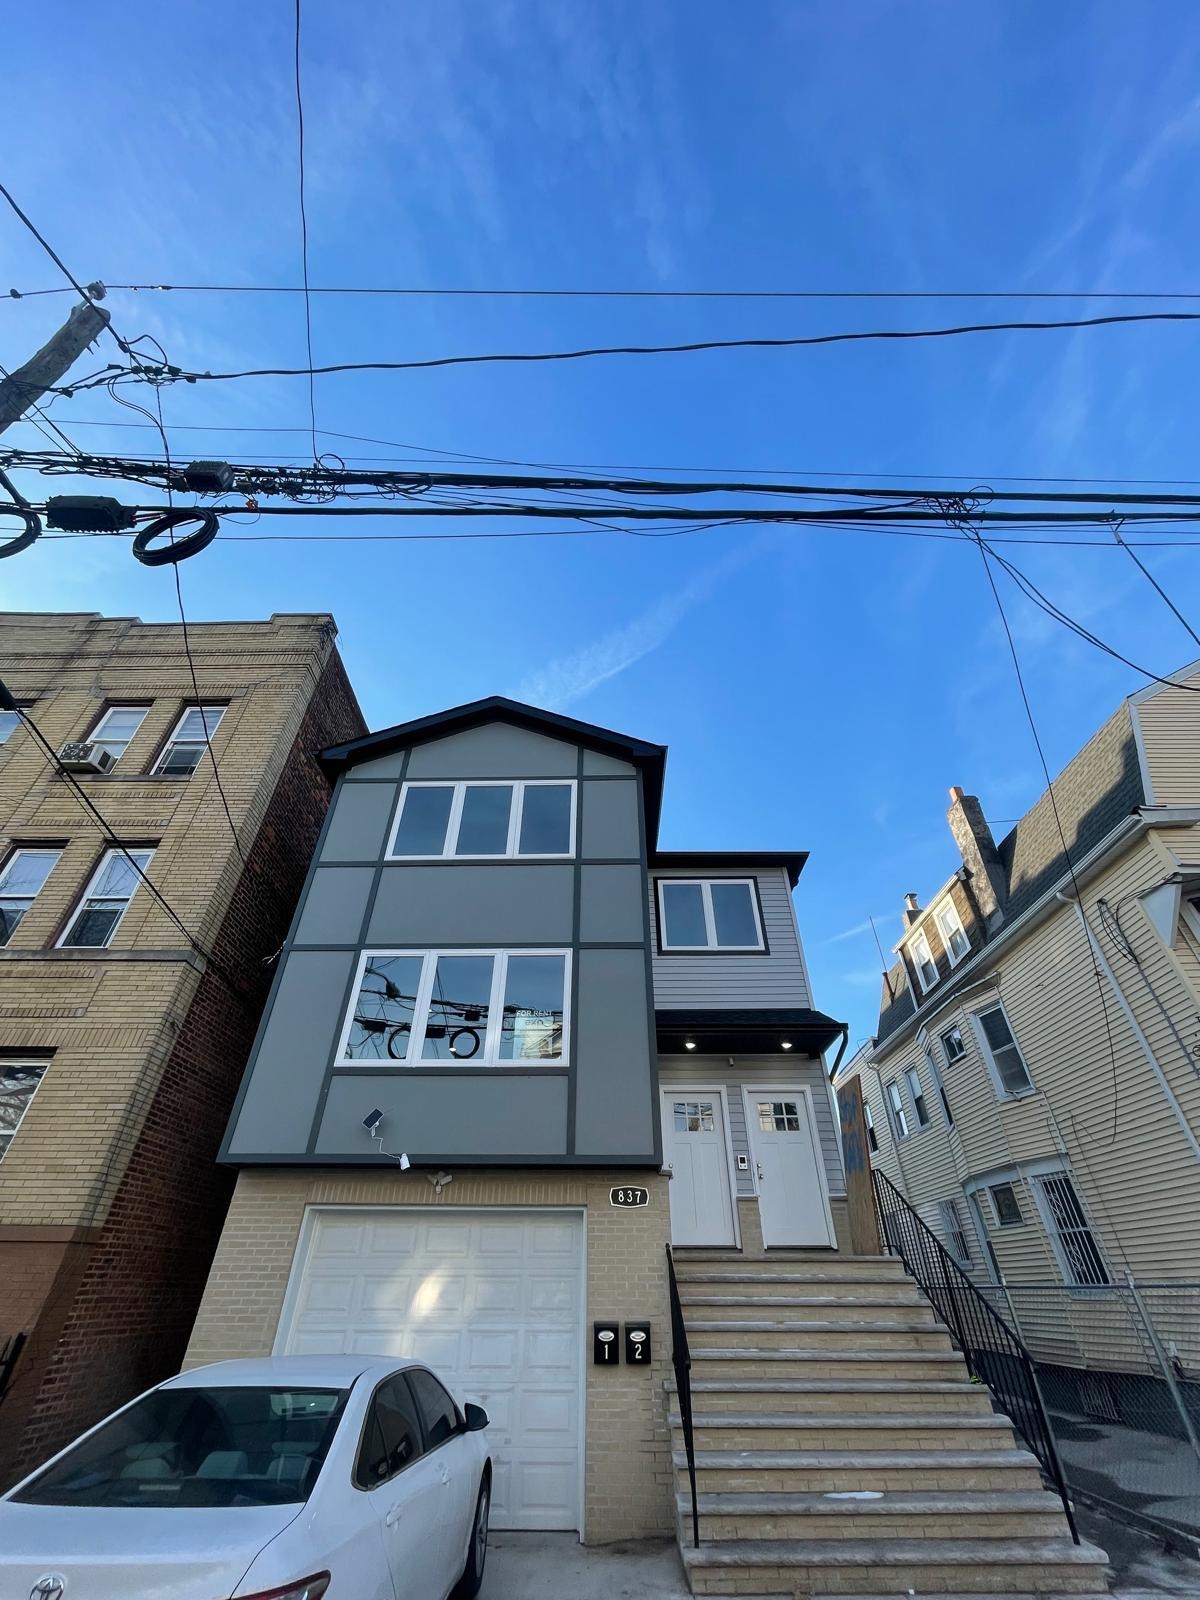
{"x":951,"y":929}
{"x":922,"y":958}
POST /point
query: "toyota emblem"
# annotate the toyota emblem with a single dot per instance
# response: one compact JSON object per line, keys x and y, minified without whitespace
{"x":49,"y":1587}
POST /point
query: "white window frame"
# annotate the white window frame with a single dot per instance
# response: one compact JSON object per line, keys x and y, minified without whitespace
{"x":1013,"y":1185}
{"x":935,"y":1074}
{"x":947,"y":907}
{"x":81,"y":904}
{"x":27,"y":850}
{"x":211,"y":721}
{"x":6,"y":1065}
{"x":96,"y":736}
{"x":705,"y":886}
{"x":872,"y":1135}
{"x":1046,"y":1213}
{"x":460,"y":787}
{"x":918,"y":1099}
{"x":914,"y":949}
{"x":897,"y":1115}
{"x":962,"y":1044}
{"x":1002,"y":1093}
{"x":488,"y":1056}
{"x":955,"y":1225}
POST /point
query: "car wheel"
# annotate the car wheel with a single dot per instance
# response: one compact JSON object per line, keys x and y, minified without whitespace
{"x":472,"y":1578}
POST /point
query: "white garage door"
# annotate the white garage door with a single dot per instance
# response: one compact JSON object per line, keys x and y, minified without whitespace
{"x":491,"y":1300}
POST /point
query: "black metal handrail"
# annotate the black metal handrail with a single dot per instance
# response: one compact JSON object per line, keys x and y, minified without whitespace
{"x":993,"y":1352}
{"x":681,"y":1360}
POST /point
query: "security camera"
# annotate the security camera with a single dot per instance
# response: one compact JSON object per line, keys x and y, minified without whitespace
{"x":371,"y":1122}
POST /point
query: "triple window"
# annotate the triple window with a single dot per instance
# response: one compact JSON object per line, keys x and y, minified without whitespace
{"x":1008,"y":1069}
{"x":716,"y":914}
{"x":484,"y":819}
{"x":488,"y":1007}
{"x":21,"y":879}
{"x":105,"y":901}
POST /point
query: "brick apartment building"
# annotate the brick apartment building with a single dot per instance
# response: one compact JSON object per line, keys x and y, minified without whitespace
{"x":121,"y":1041}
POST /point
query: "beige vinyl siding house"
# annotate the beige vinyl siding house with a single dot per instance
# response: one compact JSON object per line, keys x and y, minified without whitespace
{"x":1091,"y":1117}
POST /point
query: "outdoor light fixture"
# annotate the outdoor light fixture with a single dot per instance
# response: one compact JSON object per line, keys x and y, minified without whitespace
{"x":689,"y":1044}
{"x":785,"y":1044}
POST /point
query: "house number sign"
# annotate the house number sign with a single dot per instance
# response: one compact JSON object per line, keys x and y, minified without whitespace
{"x":629,"y":1197}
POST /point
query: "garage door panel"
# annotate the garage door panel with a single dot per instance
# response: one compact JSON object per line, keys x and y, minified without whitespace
{"x":493,"y":1303}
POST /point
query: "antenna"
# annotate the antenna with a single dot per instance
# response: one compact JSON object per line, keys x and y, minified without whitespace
{"x":887,"y":982}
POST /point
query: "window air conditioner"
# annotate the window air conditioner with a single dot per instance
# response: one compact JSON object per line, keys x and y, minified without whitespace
{"x":85,"y":757}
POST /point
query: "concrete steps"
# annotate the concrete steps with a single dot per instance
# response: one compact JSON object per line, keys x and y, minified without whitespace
{"x":909,"y":1312}
{"x":884,"y":1514}
{"x":779,"y":1332}
{"x":876,"y":1366}
{"x":813,"y":1471}
{"x":781,"y":1397}
{"x":748,"y":1430}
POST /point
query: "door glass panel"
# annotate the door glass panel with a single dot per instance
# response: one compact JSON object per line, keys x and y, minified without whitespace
{"x":683,"y":915}
{"x":483,"y":828}
{"x":779,"y":1116}
{"x":437,"y":1408}
{"x":546,"y":820}
{"x":422,"y":830}
{"x":398,"y":1424}
{"x":694,"y":1116}
{"x":458,"y":1008}
{"x":532,"y":1029}
{"x":381,"y":1029}
{"x":733,"y":914}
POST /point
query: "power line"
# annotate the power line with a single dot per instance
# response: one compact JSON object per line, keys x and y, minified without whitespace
{"x":176,"y":375}
{"x":312,"y":402}
{"x":1150,"y":578}
{"x":449,"y":292}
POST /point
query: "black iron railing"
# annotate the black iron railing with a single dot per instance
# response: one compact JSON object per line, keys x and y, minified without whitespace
{"x":11,"y":1345}
{"x":681,"y":1360}
{"x":994,"y":1354}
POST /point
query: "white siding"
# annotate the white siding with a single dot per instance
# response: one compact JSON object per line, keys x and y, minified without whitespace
{"x":759,"y":1072}
{"x":727,"y":982}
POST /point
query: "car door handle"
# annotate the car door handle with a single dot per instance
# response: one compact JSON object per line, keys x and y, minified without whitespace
{"x":393,"y":1516}
{"x":445,"y":1476}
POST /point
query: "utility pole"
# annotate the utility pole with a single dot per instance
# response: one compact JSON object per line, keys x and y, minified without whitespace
{"x":57,"y":356}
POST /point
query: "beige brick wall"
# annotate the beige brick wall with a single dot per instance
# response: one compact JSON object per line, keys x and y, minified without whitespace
{"x":628,"y":1486}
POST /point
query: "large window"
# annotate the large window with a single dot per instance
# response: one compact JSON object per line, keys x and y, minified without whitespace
{"x":489,"y":1007}
{"x":922,"y":958}
{"x":468,"y":820}
{"x":951,"y":929}
{"x":189,"y":740}
{"x":1009,"y":1072}
{"x":917,"y":1092}
{"x":105,"y":901}
{"x":896,"y":1109}
{"x":716,"y":914}
{"x":21,"y":879}
{"x":1069,"y":1230}
{"x":116,"y":728}
{"x":18,"y":1085}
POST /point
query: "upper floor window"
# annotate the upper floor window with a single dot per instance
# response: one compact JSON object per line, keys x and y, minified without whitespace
{"x":116,"y":728}
{"x":189,"y":740}
{"x":923,"y":961}
{"x":931,"y":1063}
{"x":1009,"y":1072}
{"x":1070,"y":1233}
{"x":918,"y":1097}
{"x":952,"y":1044}
{"x":489,"y":1007}
{"x":18,"y":1085}
{"x":716,"y":914}
{"x":896,"y":1109}
{"x":10,"y":721}
{"x":951,"y":929}
{"x":21,"y":879}
{"x":106,"y":899}
{"x":872,"y":1136}
{"x":532,"y":818}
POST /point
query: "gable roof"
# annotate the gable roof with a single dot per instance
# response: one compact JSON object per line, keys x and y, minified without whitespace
{"x":649,"y":759}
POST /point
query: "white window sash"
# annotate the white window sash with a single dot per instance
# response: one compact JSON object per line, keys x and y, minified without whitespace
{"x":97,"y":734}
{"x":489,"y":1054}
{"x":1003,"y":1092}
{"x":705,"y":885}
{"x":915,"y":948}
{"x":144,"y":857}
{"x":949,"y":911}
{"x":515,"y":814}
{"x":895,"y":1105}
{"x":210,"y":723}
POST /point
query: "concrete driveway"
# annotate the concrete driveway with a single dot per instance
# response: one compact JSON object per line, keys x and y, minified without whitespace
{"x":549,"y":1566}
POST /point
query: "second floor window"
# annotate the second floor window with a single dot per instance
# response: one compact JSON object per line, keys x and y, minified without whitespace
{"x":951,"y":929}
{"x":1008,"y":1069}
{"x":106,"y":899}
{"x":485,"y":819}
{"x":952,"y":1044}
{"x":918,"y":1097}
{"x":189,"y":740}
{"x":18,"y":1085}
{"x":116,"y":728}
{"x":922,"y":958}
{"x":21,"y":880}
{"x":896,"y":1109}
{"x":487,"y":1007}
{"x":716,"y":914}
{"x":931,"y":1063}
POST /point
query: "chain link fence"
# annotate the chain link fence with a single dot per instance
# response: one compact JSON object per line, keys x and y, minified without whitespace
{"x":1119,"y":1371}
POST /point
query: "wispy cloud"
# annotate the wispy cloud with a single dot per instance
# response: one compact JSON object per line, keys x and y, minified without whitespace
{"x":857,"y":930}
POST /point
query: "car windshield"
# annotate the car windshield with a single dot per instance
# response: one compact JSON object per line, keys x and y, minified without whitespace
{"x":199,"y":1447}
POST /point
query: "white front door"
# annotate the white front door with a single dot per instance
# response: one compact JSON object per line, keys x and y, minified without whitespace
{"x":792,"y":1200}
{"x":696,"y":1152}
{"x":491,"y":1300}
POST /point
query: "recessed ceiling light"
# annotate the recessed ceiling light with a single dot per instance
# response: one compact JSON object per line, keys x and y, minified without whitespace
{"x":785,"y":1044}
{"x":689,"y":1044}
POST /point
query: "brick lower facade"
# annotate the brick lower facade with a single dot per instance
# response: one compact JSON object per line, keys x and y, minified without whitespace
{"x":628,"y":1483}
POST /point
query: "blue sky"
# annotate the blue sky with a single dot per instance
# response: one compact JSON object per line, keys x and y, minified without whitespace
{"x":817,"y":690}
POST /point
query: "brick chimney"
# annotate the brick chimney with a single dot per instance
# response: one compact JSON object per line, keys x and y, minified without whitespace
{"x":978,"y":850}
{"x":912,"y":909}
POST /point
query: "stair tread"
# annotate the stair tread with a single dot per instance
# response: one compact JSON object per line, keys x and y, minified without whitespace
{"x":914,"y":1303}
{"x":797,"y":1324}
{"x":893,"y":1553}
{"x":802,"y":1353}
{"x":829,"y":1386}
{"x":837,"y":1419}
{"x":849,"y":1460}
{"x":879,"y":1502}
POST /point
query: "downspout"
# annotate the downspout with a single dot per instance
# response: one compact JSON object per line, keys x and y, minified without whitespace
{"x":834,"y":1109}
{"x":1126,"y":1011}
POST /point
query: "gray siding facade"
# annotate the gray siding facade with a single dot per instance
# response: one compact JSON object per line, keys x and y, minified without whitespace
{"x":299,"y":1104}
{"x":725,"y":981}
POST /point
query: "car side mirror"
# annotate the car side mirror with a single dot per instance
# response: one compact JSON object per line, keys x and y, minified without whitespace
{"x":476,"y":1417}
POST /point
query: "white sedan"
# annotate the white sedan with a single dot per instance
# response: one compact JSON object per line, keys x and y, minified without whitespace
{"x":293,"y":1478}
